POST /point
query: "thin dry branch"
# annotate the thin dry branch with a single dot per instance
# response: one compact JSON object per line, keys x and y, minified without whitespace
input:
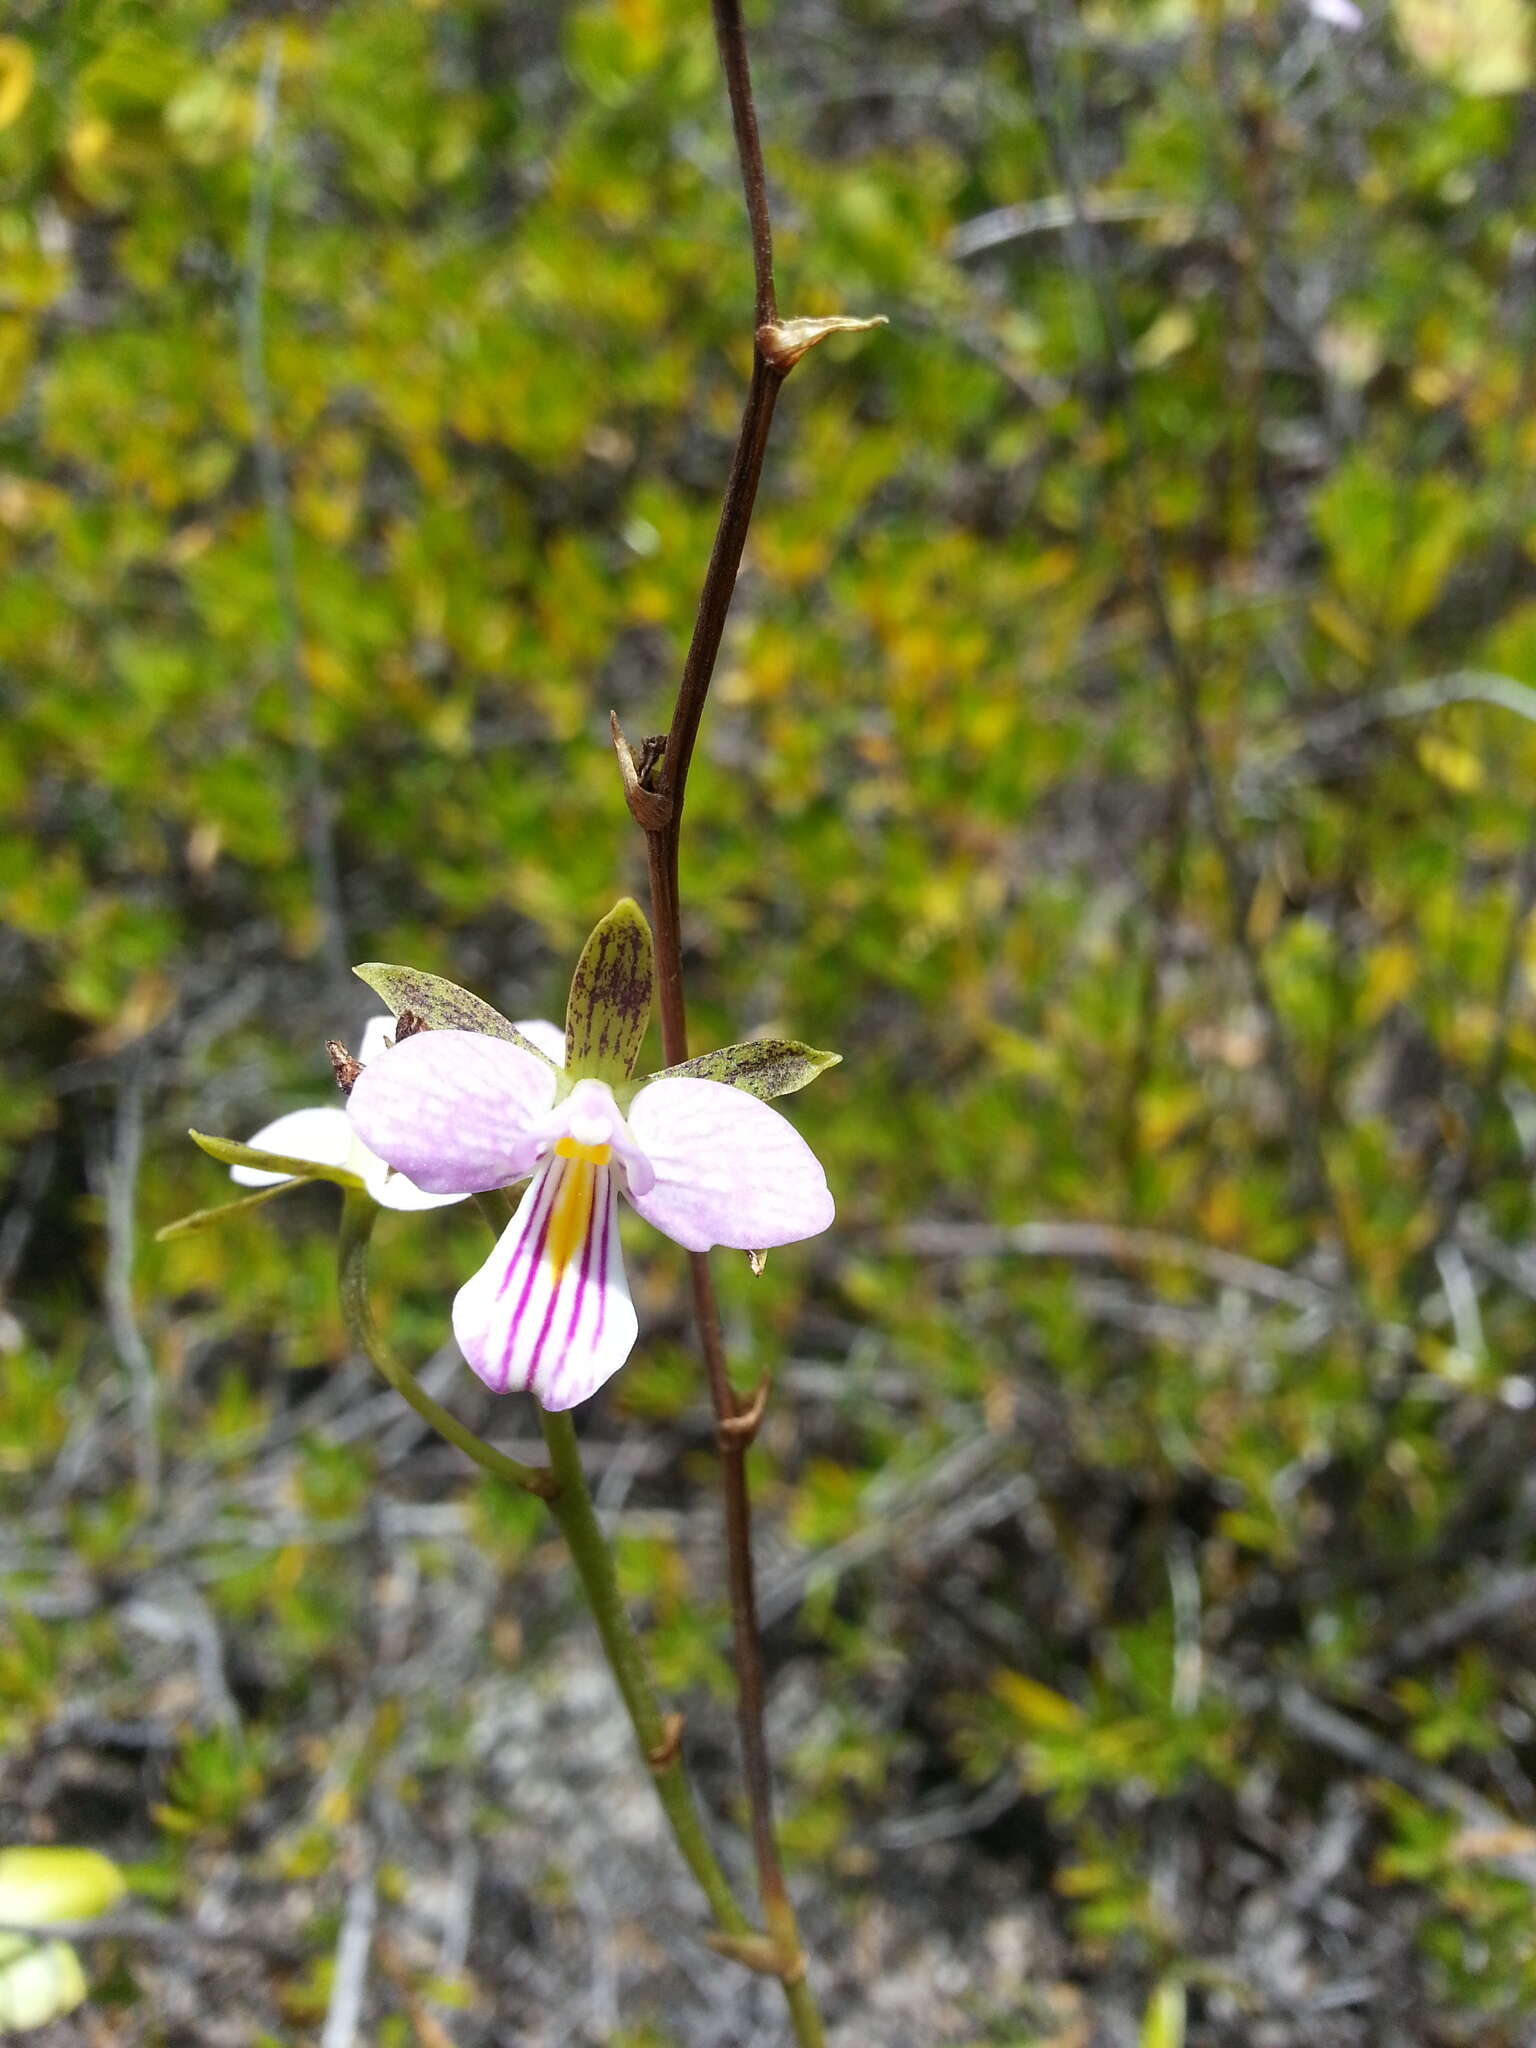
{"x":354,"y":1946}
{"x":120,"y":1175}
{"x":668,"y":779}
{"x":1074,"y":1240}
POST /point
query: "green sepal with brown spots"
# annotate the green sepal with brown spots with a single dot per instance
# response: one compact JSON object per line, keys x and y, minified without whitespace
{"x":610,"y":1003}
{"x":441,"y":1005}
{"x":764,"y":1067}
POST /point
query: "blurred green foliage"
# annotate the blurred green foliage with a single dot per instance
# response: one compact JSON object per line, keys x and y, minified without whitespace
{"x":944,"y":820}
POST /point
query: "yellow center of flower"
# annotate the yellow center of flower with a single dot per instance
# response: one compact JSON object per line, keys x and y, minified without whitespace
{"x":594,"y":1155}
{"x":572,"y":1215}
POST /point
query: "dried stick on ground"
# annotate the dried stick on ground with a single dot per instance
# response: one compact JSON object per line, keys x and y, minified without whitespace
{"x":1073,"y":1239}
{"x":120,"y":1178}
{"x":349,"y":1981}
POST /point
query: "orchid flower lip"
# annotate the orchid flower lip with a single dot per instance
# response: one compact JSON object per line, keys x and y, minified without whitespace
{"x":549,"y":1312}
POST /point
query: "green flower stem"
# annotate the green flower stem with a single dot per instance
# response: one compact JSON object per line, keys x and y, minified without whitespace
{"x":563,"y":1486}
{"x":657,"y":1734}
{"x":357,"y":1214}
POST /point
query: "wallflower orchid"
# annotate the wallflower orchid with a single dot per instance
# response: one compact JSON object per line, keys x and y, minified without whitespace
{"x":473,"y":1103}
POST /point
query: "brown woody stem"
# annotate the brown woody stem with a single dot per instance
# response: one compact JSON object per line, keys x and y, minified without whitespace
{"x":662,"y":845}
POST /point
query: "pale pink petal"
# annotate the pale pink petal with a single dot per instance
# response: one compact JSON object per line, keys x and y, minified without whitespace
{"x":393,"y":1190}
{"x":549,"y":1312}
{"x":549,"y":1038}
{"x":378,"y":1037}
{"x":452,"y":1109}
{"x":1338,"y":13}
{"x":323,"y":1135}
{"x":729,"y":1170}
{"x":639,"y":1174}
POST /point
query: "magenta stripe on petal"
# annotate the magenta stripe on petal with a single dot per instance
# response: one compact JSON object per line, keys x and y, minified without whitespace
{"x":602,"y":1201}
{"x":556,"y":1289}
{"x":555,"y":1335}
{"x":610,"y":1217}
{"x":480,"y":1310}
{"x":532,"y":1240}
{"x":530,"y":1251}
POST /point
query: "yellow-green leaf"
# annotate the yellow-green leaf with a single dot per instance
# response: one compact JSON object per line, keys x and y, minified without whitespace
{"x":39,"y":1981}
{"x":1162,"y":2025}
{"x":1036,"y":1705}
{"x":39,"y":1886}
{"x":230,"y":1152}
{"x":1479,"y":46}
{"x":18,"y":70}
{"x":1456,"y":766}
{"x":203,"y":1219}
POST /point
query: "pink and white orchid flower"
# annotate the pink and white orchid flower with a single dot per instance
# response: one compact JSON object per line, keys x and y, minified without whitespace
{"x":549,"y":1313}
{"x":325,"y":1135}
{"x":466,"y":1102}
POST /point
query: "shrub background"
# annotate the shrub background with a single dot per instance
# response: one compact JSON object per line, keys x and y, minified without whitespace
{"x":367,"y":381}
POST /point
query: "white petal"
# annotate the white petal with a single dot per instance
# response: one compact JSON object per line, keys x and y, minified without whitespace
{"x":549,"y":1312}
{"x":549,"y":1038}
{"x":392,"y":1190}
{"x":378,"y":1036}
{"x":323,"y":1135}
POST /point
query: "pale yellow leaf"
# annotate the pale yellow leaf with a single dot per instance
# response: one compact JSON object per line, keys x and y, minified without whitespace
{"x":1035,"y":1704}
{"x":18,"y":70}
{"x":1479,"y":46}
{"x":1162,"y":2025}
{"x":39,"y":1982}
{"x":39,"y":1886}
{"x":1457,"y":767}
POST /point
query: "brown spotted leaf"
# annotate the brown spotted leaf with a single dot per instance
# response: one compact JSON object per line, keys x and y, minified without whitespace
{"x":610,"y":1003}
{"x":440,"y":1005}
{"x":764,"y":1067}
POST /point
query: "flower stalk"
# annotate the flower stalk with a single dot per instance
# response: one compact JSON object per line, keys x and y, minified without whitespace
{"x":563,"y":1487}
{"x":463,"y":1102}
{"x":357,"y":1217}
{"x":658,"y":1734}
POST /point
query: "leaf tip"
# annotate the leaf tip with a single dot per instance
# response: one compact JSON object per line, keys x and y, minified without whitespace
{"x":784,"y":342}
